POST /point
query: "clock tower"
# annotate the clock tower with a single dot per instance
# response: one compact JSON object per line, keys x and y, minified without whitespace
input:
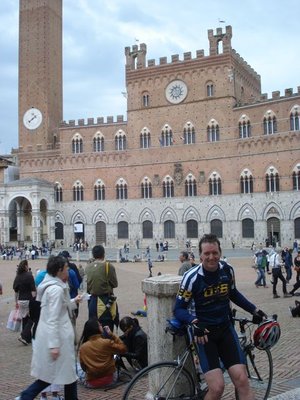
{"x":40,"y":74}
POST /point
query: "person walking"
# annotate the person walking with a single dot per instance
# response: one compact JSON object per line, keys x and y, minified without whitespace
{"x":288,"y":264}
{"x":261,"y":262}
{"x":101,"y":280}
{"x":212,"y":287}
{"x":275,"y":263}
{"x":25,"y":291}
{"x":53,"y":358}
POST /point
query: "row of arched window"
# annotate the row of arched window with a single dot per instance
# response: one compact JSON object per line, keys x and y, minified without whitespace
{"x":188,"y":135}
{"x":272,"y":184}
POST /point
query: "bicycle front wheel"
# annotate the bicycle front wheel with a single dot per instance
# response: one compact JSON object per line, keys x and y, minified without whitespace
{"x":259,"y":366}
{"x":161,"y":381}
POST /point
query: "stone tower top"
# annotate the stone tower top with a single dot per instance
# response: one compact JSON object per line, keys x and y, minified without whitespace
{"x":214,"y":40}
{"x":136,"y":57}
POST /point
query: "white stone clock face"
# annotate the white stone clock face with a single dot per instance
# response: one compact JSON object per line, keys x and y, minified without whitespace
{"x":176,"y":91}
{"x":32,"y":118}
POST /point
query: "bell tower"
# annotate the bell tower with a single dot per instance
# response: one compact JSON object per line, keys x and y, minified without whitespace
{"x":40,"y":74}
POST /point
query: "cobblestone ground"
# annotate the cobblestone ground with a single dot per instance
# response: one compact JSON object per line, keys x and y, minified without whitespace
{"x":15,"y":357}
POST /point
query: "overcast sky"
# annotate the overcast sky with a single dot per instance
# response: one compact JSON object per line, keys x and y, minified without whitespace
{"x":265,"y":34}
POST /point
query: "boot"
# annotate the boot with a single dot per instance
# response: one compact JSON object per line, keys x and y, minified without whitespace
{"x":276,"y":296}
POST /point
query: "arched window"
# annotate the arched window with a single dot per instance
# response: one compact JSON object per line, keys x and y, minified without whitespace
{"x":215,"y":185}
{"x":120,"y":140}
{"x":297,"y":228}
{"x":98,"y":142}
{"x":210,"y":89}
{"x":247,"y":228}
{"x":270,"y":123}
{"x":58,"y":193}
{"x":99,"y":190}
{"x":216,"y":227}
{"x":246,"y":182}
{"x":168,"y":187}
{"x":192,"y":229}
{"x":296,"y":178}
{"x":169,"y":229}
{"x":190,"y":186}
{"x":244,"y":127}
{"x":146,"y":100}
{"x":145,"y":139}
{"x":77,"y":144}
{"x":59,"y":231}
{"x":166,"y":139}
{"x":272,"y":180}
{"x":146,"y":188}
{"x":121,"y":189}
{"x":77,"y":191}
{"x":188,"y":133}
{"x":147,"y":230}
{"x":213,"y":133}
{"x":294,"y":119}
{"x":122,"y":230}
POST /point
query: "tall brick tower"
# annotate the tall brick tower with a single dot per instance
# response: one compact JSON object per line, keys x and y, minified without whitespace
{"x":40,"y":74}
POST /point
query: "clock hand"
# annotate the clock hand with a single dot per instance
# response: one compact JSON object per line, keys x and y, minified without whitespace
{"x":32,"y":118}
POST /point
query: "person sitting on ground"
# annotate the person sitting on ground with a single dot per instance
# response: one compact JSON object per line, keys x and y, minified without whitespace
{"x":295,"y":311}
{"x":97,"y":348}
{"x":143,"y":312}
{"x":136,"y":341}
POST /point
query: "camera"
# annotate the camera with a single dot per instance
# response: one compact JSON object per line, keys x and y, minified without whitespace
{"x":111,"y":301}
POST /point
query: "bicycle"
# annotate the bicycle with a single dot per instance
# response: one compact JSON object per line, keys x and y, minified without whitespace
{"x":182,"y":379}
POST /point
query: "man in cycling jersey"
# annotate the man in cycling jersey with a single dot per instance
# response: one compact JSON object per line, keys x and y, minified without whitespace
{"x":212,"y":287}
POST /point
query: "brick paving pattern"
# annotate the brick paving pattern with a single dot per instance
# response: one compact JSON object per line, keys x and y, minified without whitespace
{"x":15,"y":357}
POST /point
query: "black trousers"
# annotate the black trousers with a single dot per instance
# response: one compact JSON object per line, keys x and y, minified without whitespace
{"x":277,"y":274}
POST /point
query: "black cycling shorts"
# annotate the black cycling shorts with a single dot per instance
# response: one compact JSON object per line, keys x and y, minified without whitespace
{"x":222,"y":349}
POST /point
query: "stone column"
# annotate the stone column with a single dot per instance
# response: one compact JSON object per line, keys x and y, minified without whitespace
{"x":161,"y":292}
{"x":36,"y":226}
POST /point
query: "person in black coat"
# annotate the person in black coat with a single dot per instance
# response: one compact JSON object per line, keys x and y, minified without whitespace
{"x":136,"y":342}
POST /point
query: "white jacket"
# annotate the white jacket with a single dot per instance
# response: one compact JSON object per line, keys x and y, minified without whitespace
{"x":54,"y":330}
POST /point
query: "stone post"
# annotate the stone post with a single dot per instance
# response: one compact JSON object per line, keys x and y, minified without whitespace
{"x":161,"y":292}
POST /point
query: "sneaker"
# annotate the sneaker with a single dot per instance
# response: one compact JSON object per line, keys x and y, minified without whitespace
{"x":292,"y":293}
{"x":287,"y":295}
{"x":297,"y":303}
{"x":20,"y":339}
{"x":276,"y":296}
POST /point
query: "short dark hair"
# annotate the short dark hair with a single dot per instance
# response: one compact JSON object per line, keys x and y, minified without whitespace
{"x":185,"y":255}
{"x":98,"y":251}
{"x":209,"y":238}
{"x":127,"y":322}
{"x":55,"y":264}
{"x":22,"y":267}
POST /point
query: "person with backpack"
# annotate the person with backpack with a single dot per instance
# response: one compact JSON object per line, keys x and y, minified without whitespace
{"x":101,"y":280}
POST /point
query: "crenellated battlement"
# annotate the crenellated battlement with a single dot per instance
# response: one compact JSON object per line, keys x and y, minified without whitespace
{"x":245,"y":65}
{"x":92,"y":121}
{"x":276,"y":95}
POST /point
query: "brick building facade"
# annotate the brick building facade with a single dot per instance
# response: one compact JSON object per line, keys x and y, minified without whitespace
{"x":202,"y":149}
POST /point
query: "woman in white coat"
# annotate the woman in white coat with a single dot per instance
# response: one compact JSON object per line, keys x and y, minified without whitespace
{"x":53,"y":359}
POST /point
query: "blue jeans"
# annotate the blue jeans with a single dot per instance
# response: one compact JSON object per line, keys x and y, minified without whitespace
{"x":38,"y":386}
{"x":261,"y":277}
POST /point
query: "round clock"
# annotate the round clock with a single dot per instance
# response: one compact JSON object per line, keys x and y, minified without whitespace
{"x":32,"y":118}
{"x":176,"y":91}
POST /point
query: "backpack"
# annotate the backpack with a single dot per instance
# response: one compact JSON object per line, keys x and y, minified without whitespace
{"x":259,"y":260}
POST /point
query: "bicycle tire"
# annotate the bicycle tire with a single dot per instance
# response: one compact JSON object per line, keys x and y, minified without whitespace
{"x":161,"y":381}
{"x":259,"y":364}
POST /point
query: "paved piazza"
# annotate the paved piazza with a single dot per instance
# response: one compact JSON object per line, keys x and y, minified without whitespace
{"x":15,"y":358}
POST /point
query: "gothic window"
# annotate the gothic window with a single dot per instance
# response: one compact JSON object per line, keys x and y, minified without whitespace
{"x":169,"y":229}
{"x":296,"y":178}
{"x":244,"y":127}
{"x":216,"y":227}
{"x":120,"y":140}
{"x":147,"y":230}
{"x":213,"y":133}
{"x":99,"y":190}
{"x":168,"y":187}
{"x":188,"y":133}
{"x":192,"y":229}
{"x":98,"y":142}
{"x":145,"y":139}
{"x":246,"y":182}
{"x":58,"y":193}
{"x":59,"y":231}
{"x":294,"y":119}
{"x":78,"y":191}
{"x":146,"y":189}
{"x":297,"y":228}
{"x":166,"y":139}
{"x":270,"y":123}
{"x":121,"y":189}
{"x":146,"y":100}
{"x":210,"y":90}
{"x":123,"y":230}
{"x":272,"y":180}
{"x":247,"y":228}
{"x":77,"y":144}
{"x":215,"y":185}
{"x":190,"y":186}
